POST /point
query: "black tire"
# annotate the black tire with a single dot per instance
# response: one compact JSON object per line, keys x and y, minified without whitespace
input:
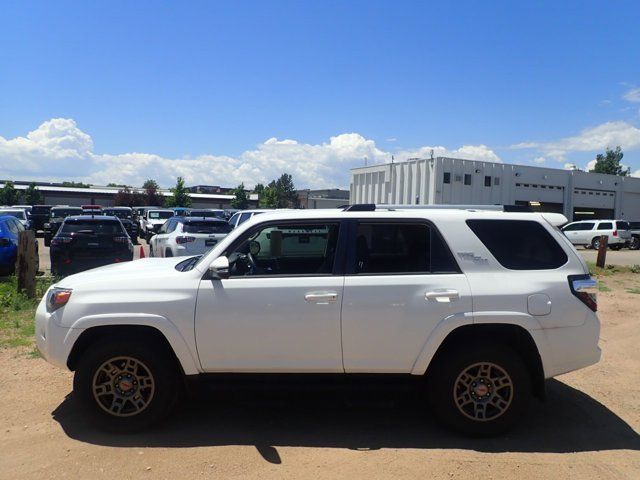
{"x":168,"y":253}
{"x":446,"y":380}
{"x":634,"y":244}
{"x":150,"y":250}
{"x":158,"y":399}
{"x":47,"y":240}
{"x":595,"y":243}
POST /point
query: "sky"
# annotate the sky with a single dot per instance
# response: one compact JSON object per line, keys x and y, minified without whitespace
{"x":242,"y":91}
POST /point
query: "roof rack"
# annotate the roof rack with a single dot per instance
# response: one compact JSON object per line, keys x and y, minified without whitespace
{"x":372,"y":207}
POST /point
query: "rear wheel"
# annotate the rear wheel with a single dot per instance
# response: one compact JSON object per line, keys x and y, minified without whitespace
{"x":125,"y":385}
{"x":595,"y":243}
{"x":634,"y":244}
{"x":168,"y":253}
{"x":480,"y":390}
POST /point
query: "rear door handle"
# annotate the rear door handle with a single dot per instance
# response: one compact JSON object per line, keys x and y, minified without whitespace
{"x":322,"y":298}
{"x":444,"y":295}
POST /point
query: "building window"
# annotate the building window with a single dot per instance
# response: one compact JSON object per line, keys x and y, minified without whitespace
{"x":467,"y":179}
{"x":487,"y":181}
{"x":458,"y":178}
{"x":496,"y":181}
{"x":447,"y":177}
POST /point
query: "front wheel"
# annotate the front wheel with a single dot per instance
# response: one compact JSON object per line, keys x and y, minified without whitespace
{"x":127,"y":386}
{"x":480,"y":390}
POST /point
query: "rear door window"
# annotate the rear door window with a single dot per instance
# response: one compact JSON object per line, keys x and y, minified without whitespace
{"x":605,"y":226}
{"x":622,"y":225}
{"x":401,"y":248}
{"x":97,"y":227}
{"x":206,"y":227}
{"x":519,"y":244}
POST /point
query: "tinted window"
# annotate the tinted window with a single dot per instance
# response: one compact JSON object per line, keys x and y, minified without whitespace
{"x":487,"y":181}
{"x":40,"y":209}
{"x":15,"y":213}
{"x":11,"y":225}
{"x":578,"y":226}
{"x":605,"y":226}
{"x":99,"y":227}
{"x":519,"y":244}
{"x":117,"y":213}
{"x":206,"y":227}
{"x":206,"y":214}
{"x":287,"y":250}
{"x":447,"y":177}
{"x":160,"y":215}
{"x":467,"y":179}
{"x":65,"y":212}
{"x":385,"y":248}
{"x":244,"y":217}
{"x":232,"y":220}
{"x":622,"y":226}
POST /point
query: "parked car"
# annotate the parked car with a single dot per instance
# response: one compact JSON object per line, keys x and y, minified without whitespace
{"x":9,"y":229}
{"x":588,"y":233}
{"x":56,"y":217}
{"x":19,"y":213}
{"x":154,"y":218}
{"x":39,"y":216}
{"x":182,"y":236}
{"x":92,"y":209}
{"x":206,"y":213}
{"x":242,"y":216}
{"x":25,"y":207}
{"x":634,"y":229}
{"x":401,"y":293}
{"x":88,"y":241}
{"x":181,"y":211}
{"x":125,"y":214}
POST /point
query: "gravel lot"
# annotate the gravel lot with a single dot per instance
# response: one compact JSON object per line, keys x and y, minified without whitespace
{"x":586,"y":429}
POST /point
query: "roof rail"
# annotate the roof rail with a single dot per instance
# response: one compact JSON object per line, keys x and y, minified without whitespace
{"x":370,"y":207}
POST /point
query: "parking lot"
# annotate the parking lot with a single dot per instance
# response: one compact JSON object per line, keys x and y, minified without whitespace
{"x":586,"y":429}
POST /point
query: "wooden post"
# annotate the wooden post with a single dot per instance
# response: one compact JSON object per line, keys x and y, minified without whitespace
{"x":27,"y":262}
{"x":602,"y":251}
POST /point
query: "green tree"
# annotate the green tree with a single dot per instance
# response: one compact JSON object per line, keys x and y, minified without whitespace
{"x":76,"y":184}
{"x":151,"y":195}
{"x":32,"y":196}
{"x":9,"y":195}
{"x":287,"y":194}
{"x":270,"y":197}
{"x":241,"y":200}
{"x":180,"y":196}
{"x":609,"y":162}
{"x":121,"y":185}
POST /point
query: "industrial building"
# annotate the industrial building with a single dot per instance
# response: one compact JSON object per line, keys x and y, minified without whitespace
{"x":56,"y":194}
{"x":434,"y":181}
{"x":326,"y":198}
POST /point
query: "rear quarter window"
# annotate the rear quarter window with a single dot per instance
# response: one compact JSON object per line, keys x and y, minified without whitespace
{"x":206,"y":227}
{"x":519,"y":244}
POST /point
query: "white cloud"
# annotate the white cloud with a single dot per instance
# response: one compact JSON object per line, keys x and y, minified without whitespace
{"x":636,"y":173}
{"x":539,"y":160}
{"x":59,"y":150}
{"x":609,"y":134}
{"x":632,"y":95}
{"x":591,"y":165}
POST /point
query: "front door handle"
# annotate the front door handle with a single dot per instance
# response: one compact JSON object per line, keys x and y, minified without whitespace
{"x":444,"y":295}
{"x":322,"y":298}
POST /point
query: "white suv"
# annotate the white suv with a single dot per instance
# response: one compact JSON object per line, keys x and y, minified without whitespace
{"x":480,"y":307}
{"x":588,"y":233}
{"x":153,"y":221}
{"x":185,"y":236}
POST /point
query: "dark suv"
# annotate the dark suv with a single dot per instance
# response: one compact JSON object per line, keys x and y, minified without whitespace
{"x":125,"y":214}
{"x":39,"y":216}
{"x":56,"y":217}
{"x":88,"y":241}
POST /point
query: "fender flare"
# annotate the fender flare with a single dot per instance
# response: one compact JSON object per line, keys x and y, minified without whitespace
{"x":190,"y":365}
{"x":448,"y":324}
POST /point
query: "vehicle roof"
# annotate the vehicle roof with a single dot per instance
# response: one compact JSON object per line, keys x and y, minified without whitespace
{"x":600,"y":220}
{"x":12,"y":209}
{"x":117,"y":208}
{"x":201,"y":219}
{"x":66,"y":207}
{"x":97,"y":218}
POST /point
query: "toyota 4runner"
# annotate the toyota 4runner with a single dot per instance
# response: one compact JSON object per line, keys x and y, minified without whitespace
{"x":478,"y":306}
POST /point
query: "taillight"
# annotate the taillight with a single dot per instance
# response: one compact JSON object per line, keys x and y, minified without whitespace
{"x":121,"y":239}
{"x":181,"y":240}
{"x":61,"y":240}
{"x":57,"y":298}
{"x":585,"y":289}
{"x":615,"y":233}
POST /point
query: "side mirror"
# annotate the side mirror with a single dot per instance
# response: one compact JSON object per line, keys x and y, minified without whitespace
{"x":219,"y":268}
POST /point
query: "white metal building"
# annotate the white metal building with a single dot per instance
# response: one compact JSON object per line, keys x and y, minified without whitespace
{"x":441,"y":180}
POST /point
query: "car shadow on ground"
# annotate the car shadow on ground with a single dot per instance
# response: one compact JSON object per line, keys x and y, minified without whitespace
{"x":568,"y":421}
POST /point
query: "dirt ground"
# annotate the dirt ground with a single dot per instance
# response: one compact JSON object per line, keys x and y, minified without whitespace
{"x":586,"y":429}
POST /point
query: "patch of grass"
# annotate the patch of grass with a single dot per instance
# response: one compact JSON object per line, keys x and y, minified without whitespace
{"x":634,"y":268}
{"x":602,"y":287}
{"x":634,"y":290}
{"x":17,"y":312}
{"x":610,"y":270}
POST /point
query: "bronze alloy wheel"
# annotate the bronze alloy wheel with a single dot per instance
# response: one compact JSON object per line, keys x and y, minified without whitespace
{"x":123,"y":386}
{"x":483,"y":391}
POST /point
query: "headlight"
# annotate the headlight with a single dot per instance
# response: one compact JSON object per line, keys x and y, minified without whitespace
{"x":57,"y":298}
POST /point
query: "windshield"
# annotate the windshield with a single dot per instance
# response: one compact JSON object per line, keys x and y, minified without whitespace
{"x":160,"y":215}
{"x":118,"y":213}
{"x":97,"y":227}
{"x":14,"y":213}
{"x":206,"y":227}
{"x":65,"y":212}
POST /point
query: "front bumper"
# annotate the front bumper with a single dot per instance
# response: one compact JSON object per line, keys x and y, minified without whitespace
{"x":52,"y":340}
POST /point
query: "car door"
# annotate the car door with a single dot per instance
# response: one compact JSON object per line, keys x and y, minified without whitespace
{"x":572,"y":232}
{"x":159,"y":240}
{"x":279,"y":310}
{"x":401,"y":282}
